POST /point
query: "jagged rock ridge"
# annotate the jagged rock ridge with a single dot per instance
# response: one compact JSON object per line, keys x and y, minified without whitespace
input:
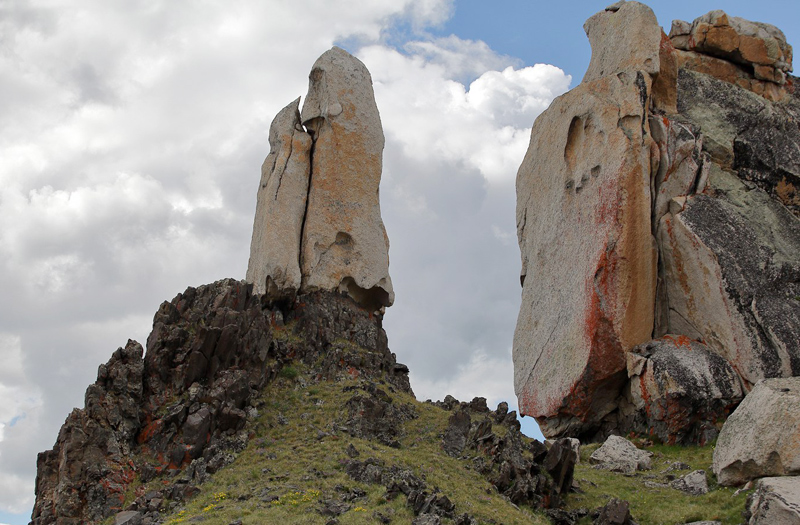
{"x":318,"y":223}
{"x":211,"y":351}
{"x":657,"y":209}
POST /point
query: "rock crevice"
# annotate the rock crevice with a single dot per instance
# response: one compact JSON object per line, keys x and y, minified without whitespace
{"x":324,"y":232}
{"x":656,"y":208}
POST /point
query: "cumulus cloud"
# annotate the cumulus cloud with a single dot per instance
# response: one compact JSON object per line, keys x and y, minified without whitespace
{"x":132,"y":137}
{"x":485,"y":125}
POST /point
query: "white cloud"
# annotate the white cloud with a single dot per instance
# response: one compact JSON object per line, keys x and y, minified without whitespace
{"x":132,"y":137}
{"x":462,"y":60}
{"x":483,"y":375}
{"x":485,"y":125}
{"x":21,"y":397}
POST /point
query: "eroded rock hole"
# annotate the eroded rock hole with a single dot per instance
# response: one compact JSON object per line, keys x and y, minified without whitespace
{"x":371,"y":299}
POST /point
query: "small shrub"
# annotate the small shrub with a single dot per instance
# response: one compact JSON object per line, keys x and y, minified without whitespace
{"x":289,"y":372}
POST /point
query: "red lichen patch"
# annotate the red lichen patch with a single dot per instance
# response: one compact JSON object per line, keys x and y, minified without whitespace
{"x":150,"y":429}
{"x":680,"y":340}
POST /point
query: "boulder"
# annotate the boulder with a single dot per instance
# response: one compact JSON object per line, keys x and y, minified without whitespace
{"x":694,"y":483}
{"x":455,"y":437}
{"x":274,"y":266}
{"x":589,"y":151}
{"x":775,"y":501}
{"x":738,"y":40}
{"x":620,"y":455}
{"x":615,"y":512}
{"x":682,"y":391}
{"x":344,"y":244}
{"x":762,"y":436}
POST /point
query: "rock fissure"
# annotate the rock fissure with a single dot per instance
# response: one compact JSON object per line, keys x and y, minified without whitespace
{"x":692,"y":209}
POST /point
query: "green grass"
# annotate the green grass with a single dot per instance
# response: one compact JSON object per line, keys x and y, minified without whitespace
{"x":659,"y":506}
{"x":288,"y":470}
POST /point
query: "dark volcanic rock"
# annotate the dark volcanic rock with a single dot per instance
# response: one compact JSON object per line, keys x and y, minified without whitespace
{"x":375,"y":416}
{"x":615,"y":512}
{"x":526,"y":474}
{"x":455,"y":437}
{"x":211,"y":349}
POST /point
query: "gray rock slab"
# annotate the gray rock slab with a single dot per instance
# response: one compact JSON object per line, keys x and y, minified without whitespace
{"x":775,"y":501}
{"x":730,"y":262}
{"x":274,"y":266}
{"x":694,"y":483}
{"x":128,"y":517}
{"x":762,"y":436}
{"x":619,"y":454}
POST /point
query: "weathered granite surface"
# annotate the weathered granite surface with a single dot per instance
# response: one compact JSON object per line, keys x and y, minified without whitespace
{"x":588,"y":263}
{"x":699,"y":182}
{"x":318,"y":223}
{"x":762,"y":436}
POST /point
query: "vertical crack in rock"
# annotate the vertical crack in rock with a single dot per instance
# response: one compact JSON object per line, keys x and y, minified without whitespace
{"x":341,"y":113}
{"x":330,"y":235}
{"x":274,"y":266}
{"x":684,"y":237}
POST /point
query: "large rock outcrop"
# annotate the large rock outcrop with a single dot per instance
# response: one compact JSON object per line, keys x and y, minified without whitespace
{"x":583,"y":212}
{"x":183,"y":406}
{"x":318,"y":223}
{"x":659,"y":197}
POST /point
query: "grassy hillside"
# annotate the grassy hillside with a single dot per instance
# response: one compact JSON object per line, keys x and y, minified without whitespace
{"x":652,"y":504}
{"x":294,"y":470}
{"x":294,"y":463}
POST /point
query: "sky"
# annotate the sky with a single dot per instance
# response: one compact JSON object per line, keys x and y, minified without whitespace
{"x":131,"y":139}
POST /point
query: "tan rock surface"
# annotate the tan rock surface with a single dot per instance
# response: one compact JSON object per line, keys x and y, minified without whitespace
{"x":274,"y":266}
{"x":624,"y":37}
{"x":752,"y":55}
{"x":762,"y":436}
{"x":344,"y":241}
{"x":740,"y":40}
{"x":588,"y":260}
{"x":318,"y":222}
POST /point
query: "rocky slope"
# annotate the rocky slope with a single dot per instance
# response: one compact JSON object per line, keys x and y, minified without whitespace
{"x":658,"y":226}
{"x":154,"y":428}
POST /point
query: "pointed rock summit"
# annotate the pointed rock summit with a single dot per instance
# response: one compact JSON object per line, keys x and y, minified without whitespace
{"x":318,"y":223}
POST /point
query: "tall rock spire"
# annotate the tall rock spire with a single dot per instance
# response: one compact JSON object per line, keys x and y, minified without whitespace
{"x":323,"y":230}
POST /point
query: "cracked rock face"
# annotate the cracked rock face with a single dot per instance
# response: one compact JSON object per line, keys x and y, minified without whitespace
{"x":588,"y":263}
{"x":274,"y":267}
{"x":324,"y":231}
{"x":660,"y":197}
